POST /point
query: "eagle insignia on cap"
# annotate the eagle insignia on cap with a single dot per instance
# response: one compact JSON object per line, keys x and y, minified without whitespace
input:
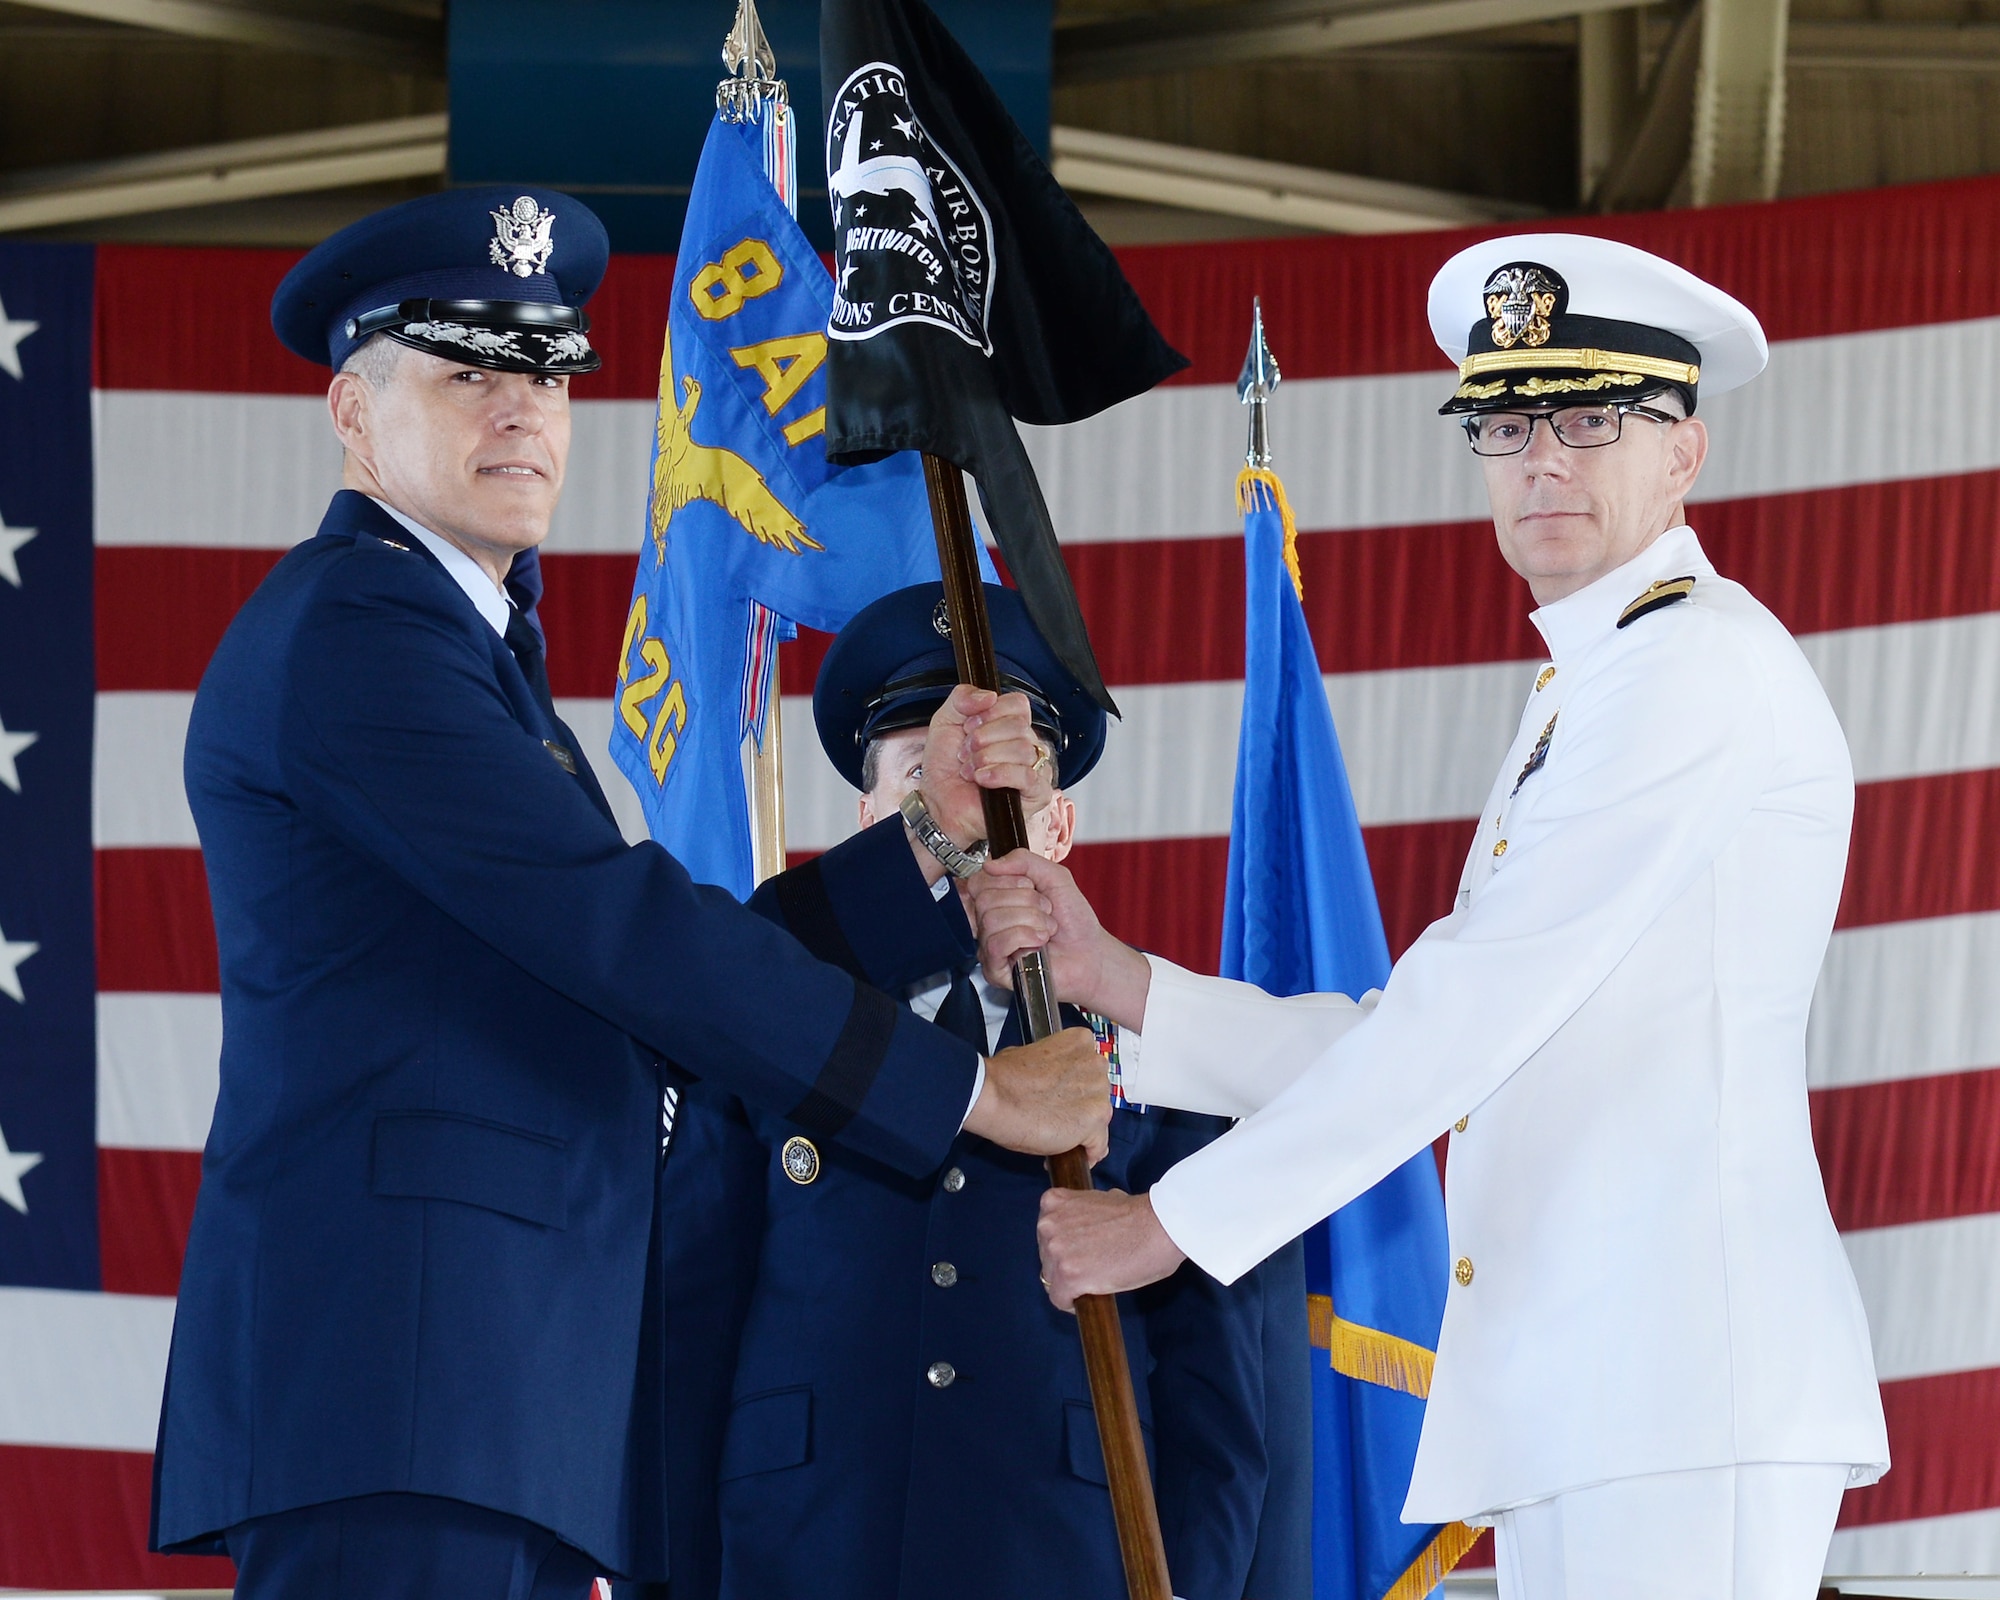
{"x":941,"y":619}
{"x":1520,"y":299}
{"x":522,"y":241}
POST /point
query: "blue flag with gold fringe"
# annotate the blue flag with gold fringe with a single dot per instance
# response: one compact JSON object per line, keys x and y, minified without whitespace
{"x":1300,"y":916}
{"x":750,"y":532}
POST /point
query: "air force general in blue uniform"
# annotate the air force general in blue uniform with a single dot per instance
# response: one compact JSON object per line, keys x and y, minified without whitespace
{"x":423,"y":1281}
{"x":892,"y":1410}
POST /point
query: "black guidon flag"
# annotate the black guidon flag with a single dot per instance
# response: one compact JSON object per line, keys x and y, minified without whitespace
{"x":970,"y":291}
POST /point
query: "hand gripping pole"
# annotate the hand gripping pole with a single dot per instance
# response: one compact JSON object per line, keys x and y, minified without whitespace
{"x":1111,"y":1395}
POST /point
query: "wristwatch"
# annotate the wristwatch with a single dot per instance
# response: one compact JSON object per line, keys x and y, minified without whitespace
{"x":959,"y":863}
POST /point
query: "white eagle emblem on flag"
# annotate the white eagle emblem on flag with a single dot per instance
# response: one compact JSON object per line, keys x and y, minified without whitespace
{"x":522,"y":239}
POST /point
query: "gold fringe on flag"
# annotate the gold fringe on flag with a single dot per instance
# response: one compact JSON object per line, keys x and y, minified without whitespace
{"x":1246,"y":502}
{"x":1436,"y":1559}
{"x":1367,"y":1353}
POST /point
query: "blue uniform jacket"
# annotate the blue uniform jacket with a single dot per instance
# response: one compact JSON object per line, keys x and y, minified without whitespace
{"x":422,"y":1258}
{"x":813,"y":1452}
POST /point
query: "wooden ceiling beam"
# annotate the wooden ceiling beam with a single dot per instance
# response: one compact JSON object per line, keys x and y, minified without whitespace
{"x":1282,"y":30}
{"x":397,"y":38}
{"x":1086,"y":162}
{"x":206,"y":175}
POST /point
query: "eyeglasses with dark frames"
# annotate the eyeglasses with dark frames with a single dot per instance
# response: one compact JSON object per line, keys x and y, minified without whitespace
{"x":1508,"y":433}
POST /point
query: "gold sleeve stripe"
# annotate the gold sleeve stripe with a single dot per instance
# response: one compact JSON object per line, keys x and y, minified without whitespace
{"x":1582,"y":360}
{"x":1368,"y":1354}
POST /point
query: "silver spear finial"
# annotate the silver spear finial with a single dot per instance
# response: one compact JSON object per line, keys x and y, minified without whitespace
{"x":753,"y":69}
{"x":1255,"y":387}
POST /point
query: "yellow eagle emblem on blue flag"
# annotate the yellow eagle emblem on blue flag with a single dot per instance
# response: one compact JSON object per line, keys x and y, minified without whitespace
{"x":750,"y":533}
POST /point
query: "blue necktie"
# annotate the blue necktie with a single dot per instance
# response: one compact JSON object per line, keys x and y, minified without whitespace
{"x":963,"y":1014}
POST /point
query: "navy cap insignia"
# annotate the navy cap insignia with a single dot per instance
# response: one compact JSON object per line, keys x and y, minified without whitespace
{"x":800,"y":1159}
{"x":941,"y":620}
{"x":1664,"y":593}
{"x":522,"y":237}
{"x":1520,"y":298}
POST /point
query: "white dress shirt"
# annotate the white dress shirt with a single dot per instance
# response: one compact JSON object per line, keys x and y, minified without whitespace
{"x":1646,"y":1277}
{"x":487,"y":597}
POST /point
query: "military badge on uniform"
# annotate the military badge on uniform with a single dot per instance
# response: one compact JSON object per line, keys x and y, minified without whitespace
{"x":1520,"y":298}
{"x":800,"y":1159}
{"x":522,"y":237}
{"x":1536,"y":761}
{"x":941,"y":620}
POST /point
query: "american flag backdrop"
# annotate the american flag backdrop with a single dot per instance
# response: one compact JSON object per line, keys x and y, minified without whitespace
{"x":164,"y":451}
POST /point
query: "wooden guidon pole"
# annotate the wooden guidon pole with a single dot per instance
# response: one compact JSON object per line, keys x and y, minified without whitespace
{"x":1111,"y":1396}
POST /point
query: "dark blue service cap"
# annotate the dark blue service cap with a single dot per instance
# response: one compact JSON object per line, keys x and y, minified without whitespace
{"x":892,"y":667}
{"x":490,"y":277}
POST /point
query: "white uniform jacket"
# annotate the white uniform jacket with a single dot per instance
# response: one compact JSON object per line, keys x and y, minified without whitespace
{"x":1646,"y":1276}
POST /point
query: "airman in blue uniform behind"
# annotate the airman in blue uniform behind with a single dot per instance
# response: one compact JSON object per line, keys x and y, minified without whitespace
{"x":419,"y":1349}
{"x":891,"y":1406}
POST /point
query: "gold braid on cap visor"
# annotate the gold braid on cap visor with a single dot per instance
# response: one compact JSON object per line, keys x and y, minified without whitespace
{"x":1581,"y":360}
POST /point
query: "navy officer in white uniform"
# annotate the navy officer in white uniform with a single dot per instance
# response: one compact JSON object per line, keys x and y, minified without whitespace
{"x":418,"y":1338}
{"x":1654,"y":1376}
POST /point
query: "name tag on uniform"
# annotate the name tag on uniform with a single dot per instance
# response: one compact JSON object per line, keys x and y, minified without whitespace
{"x":563,"y":757}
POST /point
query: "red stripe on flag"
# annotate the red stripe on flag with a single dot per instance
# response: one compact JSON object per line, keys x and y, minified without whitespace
{"x":585,"y":600}
{"x":1913,"y":1150}
{"x":155,"y":934}
{"x":230,"y":348}
{"x":161,"y":611}
{"x":1167,"y":892}
{"x":1829,"y":264}
{"x":1416,"y":867}
{"x":1941,"y":1433}
{"x":1171,"y":611}
{"x":1923,"y":848}
{"x":145,"y":1204}
{"x":73,"y":1519}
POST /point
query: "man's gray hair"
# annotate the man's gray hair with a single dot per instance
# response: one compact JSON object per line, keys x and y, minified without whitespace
{"x":375,"y":360}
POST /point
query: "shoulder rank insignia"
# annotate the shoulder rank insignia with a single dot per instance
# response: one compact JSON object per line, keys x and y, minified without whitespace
{"x":394,"y":544}
{"x":561,"y":752}
{"x":1664,"y":593}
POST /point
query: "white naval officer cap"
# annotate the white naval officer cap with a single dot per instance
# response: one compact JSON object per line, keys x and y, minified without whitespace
{"x":1565,"y":318}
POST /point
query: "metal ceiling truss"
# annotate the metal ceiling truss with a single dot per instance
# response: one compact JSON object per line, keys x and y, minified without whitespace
{"x":396,"y":36}
{"x":206,"y":175}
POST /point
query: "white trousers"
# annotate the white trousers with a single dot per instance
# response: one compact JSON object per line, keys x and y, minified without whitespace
{"x":1750,"y":1532}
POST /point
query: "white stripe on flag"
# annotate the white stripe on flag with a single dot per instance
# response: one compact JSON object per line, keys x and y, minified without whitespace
{"x":1422,"y":744}
{"x":159,"y":1062}
{"x":138,"y":798}
{"x":1932,"y":1294}
{"x":1914,"y":697}
{"x":233,"y":469}
{"x":51,"y":1337}
{"x":213,"y":469}
{"x":1877,"y":1016}
{"x":1891,"y":1551}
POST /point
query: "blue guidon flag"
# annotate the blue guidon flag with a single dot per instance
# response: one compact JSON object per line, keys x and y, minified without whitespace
{"x":751,"y":532}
